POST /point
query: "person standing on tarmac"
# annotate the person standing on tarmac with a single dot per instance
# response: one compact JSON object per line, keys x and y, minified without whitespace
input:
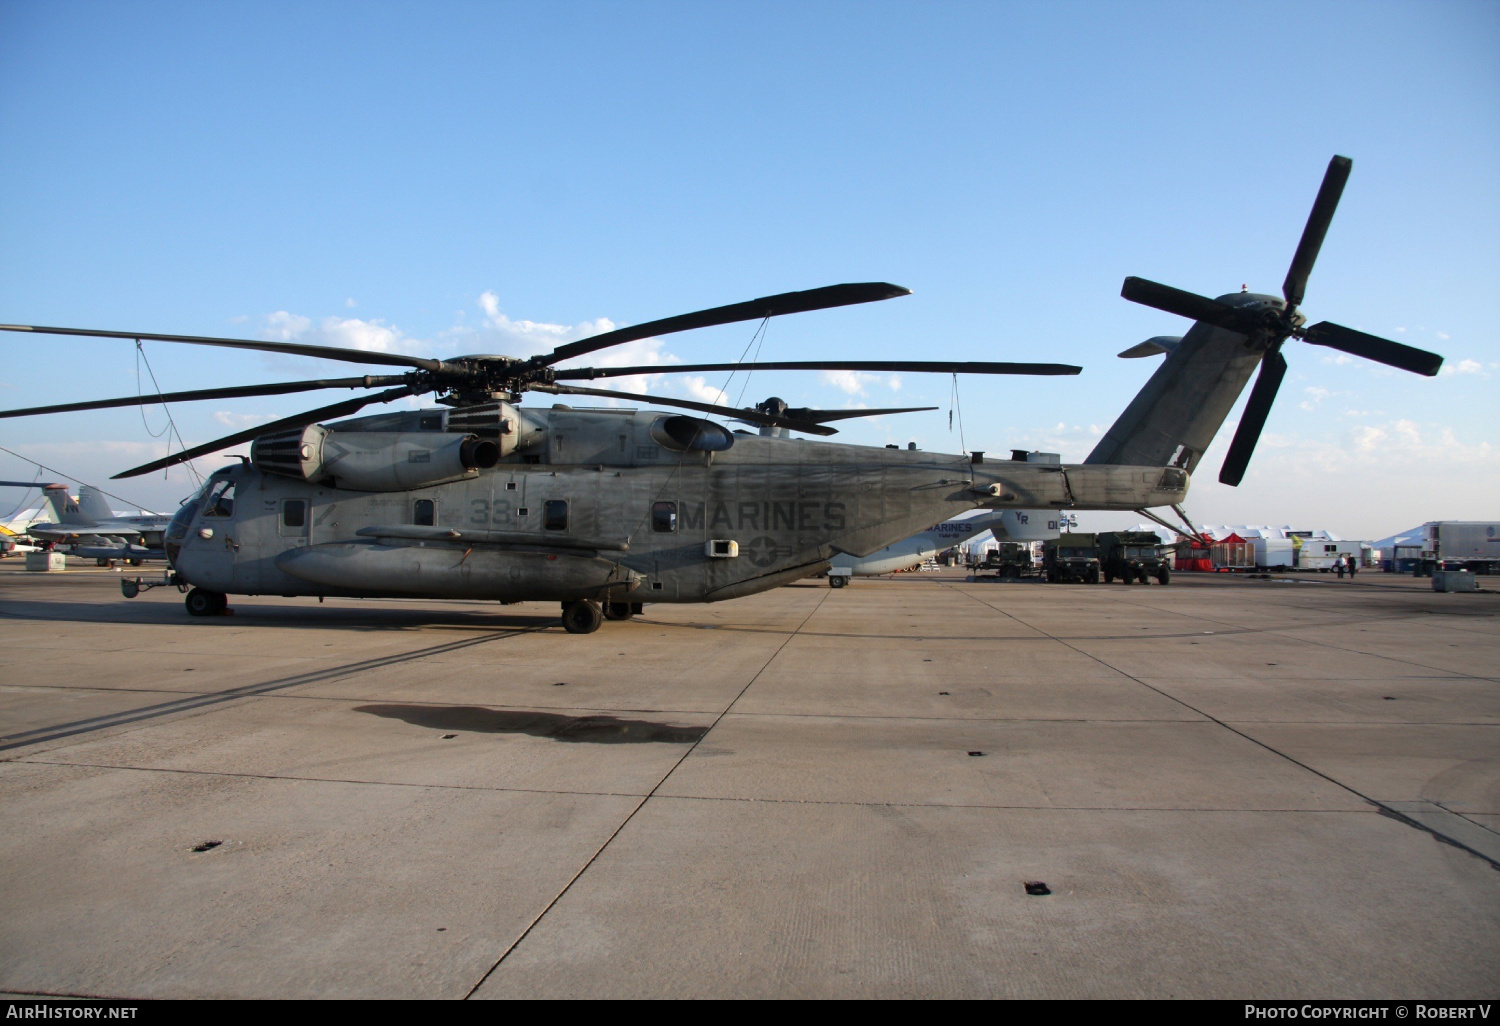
{"x":1353,"y":567}
{"x":1338,"y":566}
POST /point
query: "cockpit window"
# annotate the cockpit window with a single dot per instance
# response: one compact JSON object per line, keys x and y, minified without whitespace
{"x":218,"y":500}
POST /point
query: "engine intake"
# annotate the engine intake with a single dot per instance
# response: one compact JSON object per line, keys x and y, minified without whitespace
{"x":374,"y":461}
{"x":691,"y":434}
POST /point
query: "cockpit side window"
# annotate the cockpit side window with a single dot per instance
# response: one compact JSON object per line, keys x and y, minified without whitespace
{"x":218,"y":501}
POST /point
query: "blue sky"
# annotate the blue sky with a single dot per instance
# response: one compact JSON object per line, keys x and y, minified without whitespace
{"x":492,"y":177}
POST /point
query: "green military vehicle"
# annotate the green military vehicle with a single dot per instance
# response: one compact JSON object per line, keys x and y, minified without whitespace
{"x":1130,"y":556}
{"x":1072,"y":557}
{"x":1011,"y":560}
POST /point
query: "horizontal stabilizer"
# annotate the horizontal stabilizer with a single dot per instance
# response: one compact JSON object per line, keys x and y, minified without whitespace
{"x":1154,"y":346}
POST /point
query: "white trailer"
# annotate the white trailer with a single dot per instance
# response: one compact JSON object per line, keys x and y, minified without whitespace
{"x":1318,"y":554}
{"x":1462,"y":545}
{"x":1274,"y":553}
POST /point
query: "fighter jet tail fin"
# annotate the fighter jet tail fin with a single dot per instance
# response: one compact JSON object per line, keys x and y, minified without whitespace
{"x":92,"y":504}
{"x":62,"y":505}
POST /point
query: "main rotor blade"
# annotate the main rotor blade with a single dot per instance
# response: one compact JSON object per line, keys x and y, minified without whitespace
{"x":901,"y":366}
{"x":1272,"y":370}
{"x":290,"y":348}
{"x":1373,"y":347}
{"x":342,"y":409}
{"x":751,"y":416}
{"x":824,"y":416}
{"x":30,"y":484}
{"x":238,"y":392}
{"x":1184,"y":304}
{"x":1317,"y":226}
{"x":767,"y":306}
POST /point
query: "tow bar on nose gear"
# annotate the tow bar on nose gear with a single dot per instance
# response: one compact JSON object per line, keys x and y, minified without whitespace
{"x":130,"y":587}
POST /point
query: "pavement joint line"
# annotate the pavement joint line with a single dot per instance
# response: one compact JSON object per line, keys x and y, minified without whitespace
{"x":642,"y":804}
{"x":62,"y":730}
{"x":1279,"y":632}
{"x":734,"y":799}
{"x":1296,"y":762}
{"x":588,"y":710}
{"x":293,"y":778}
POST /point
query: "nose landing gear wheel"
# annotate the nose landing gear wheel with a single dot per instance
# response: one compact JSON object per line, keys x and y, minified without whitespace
{"x":205,"y":603}
{"x":837,"y":582}
{"x":581,"y":616}
{"x":619,"y":610}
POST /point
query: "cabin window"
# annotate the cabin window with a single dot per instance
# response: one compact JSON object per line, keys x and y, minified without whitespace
{"x":555,"y":515}
{"x":294,"y":513}
{"x":220,"y":501}
{"x":663,"y":517}
{"x":424,"y":512}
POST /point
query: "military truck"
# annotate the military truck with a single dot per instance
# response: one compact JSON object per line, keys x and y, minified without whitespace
{"x":1011,"y":560}
{"x":1072,"y":557}
{"x":1130,"y":556}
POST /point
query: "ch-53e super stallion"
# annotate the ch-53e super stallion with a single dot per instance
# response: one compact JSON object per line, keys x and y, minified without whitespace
{"x":606,"y":509}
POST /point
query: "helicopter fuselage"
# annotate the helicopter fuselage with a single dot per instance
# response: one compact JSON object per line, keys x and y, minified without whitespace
{"x":591,"y":505}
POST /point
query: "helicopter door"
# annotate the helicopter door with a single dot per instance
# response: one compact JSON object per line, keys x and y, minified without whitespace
{"x":215,"y":549}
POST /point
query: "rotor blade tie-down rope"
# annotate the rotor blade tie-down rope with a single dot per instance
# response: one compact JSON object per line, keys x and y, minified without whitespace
{"x":171,"y":424}
{"x":760,"y":332}
{"x":142,"y":406}
{"x":25,"y":497}
{"x":70,"y":477}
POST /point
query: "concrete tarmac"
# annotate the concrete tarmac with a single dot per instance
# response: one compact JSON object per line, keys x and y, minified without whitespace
{"x":1232,"y":788}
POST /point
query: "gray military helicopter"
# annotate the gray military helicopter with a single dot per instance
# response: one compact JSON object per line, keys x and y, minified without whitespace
{"x":604,"y":510}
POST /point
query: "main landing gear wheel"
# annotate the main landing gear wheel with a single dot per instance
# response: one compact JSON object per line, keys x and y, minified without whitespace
{"x":206,"y":603}
{"x":619,"y":610}
{"x":581,"y":616}
{"x":837,"y":582}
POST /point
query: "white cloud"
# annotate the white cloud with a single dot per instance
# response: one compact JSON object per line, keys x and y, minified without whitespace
{"x":855,"y":382}
{"x":699,"y":389}
{"x":1388,"y":446}
{"x":284,"y":327}
{"x":1315,"y":395}
{"x":645,"y":352}
{"x":523,"y":338}
{"x":350,"y":303}
{"x":1464,"y":367}
{"x":240,"y":421}
{"x":373,"y":336}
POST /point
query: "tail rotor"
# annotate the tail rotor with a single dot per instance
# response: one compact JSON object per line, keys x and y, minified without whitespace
{"x":1268,"y":324}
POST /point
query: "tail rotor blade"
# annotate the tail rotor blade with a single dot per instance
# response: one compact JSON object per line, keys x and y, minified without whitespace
{"x":1272,"y":370}
{"x":1317,"y":226}
{"x":1373,"y":347}
{"x":1184,"y":304}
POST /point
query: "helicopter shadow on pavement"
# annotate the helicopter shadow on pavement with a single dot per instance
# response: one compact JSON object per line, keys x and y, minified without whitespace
{"x":595,"y":728}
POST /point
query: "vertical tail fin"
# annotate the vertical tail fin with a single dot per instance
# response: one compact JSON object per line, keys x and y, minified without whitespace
{"x":64,"y":508}
{"x":1175,"y":416}
{"x":93,"y":505}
